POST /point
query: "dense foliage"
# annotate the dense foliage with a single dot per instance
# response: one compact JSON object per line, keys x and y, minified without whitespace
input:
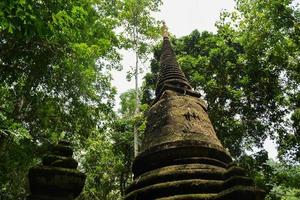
{"x":50,"y":85}
{"x":55,"y":62}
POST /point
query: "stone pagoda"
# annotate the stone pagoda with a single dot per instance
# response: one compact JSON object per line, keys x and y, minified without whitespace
{"x":181,"y":156}
{"x":57,"y":178}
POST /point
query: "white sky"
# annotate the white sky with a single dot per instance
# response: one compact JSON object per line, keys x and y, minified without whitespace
{"x":182,"y":17}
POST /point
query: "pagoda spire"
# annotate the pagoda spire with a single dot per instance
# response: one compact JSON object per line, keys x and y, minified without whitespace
{"x":164,"y":32}
{"x":170,"y":73}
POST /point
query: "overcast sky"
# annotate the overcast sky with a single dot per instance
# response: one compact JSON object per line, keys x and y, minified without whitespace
{"x":182,"y":17}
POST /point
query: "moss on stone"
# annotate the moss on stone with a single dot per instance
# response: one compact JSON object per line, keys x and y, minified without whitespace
{"x":60,"y":161}
{"x":181,"y":156}
{"x":176,"y":188}
{"x":178,"y":172}
{"x":57,"y":178}
{"x":190,"y":197}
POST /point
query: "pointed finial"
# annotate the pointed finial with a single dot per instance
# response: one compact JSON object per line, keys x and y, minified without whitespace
{"x":164,"y":29}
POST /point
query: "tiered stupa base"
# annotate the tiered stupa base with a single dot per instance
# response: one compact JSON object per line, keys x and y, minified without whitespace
{"x":57,"y":178}
{"x":180,"y":177}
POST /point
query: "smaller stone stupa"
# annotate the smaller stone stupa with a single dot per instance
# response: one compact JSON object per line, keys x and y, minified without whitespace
{"x":57,"y":178}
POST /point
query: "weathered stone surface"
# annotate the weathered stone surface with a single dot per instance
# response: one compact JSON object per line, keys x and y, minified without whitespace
{"x":176,"y":117}
{"x":181,"y":156}
{"x":178,"y":172}
{"x":60,"y":161}
{"x":170,"y":71}
{"x":198,"y":181}
{"x":57,"y":178}
{"x":62,"y":150}
{"x":58,"y":181}
{"x":171,"y":153}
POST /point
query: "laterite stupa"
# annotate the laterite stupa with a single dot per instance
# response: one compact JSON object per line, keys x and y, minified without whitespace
{"x":57,"y":178}
{"x":181,"y":156}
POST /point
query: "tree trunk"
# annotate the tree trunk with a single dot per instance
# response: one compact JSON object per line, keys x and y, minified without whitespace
{"x":137,"y":107}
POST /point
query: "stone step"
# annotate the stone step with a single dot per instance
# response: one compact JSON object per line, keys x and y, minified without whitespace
{"x":190,"y":197}
{"x":202,"y":160}
{"x":169,"y":153}
{"x":172,"y":188}
{"x":246,"y":192}
{"x":178,"y":172}
{"x":234,"y":171}
{"x":174,"y":173}
{"x":55,"y":181}
{"x":60,"y":161}
{"x":62,"y":150}
{"x":238,"y":181}
{"x":193,"y":177}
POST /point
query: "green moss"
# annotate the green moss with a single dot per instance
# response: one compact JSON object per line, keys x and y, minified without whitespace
{"x":190,"y":197}
{"x":176,"y":188}
{"x":178,"y":172}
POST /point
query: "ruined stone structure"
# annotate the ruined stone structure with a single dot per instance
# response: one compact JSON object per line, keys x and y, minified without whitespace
{"x":181,"y":156}
{"x":58,"y":177}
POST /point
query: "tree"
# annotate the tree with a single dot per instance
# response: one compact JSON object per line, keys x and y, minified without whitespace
{"x":108,"y":155}
{"x":269,"y":33}
{"x":50,"y":85}
{"x":128,"y":103}
{"x":121,"y":134}
{"x":140,"y":28}
{"x":102,"y":167}
{"x":279,"y":180}
{"x":55,"y":61}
